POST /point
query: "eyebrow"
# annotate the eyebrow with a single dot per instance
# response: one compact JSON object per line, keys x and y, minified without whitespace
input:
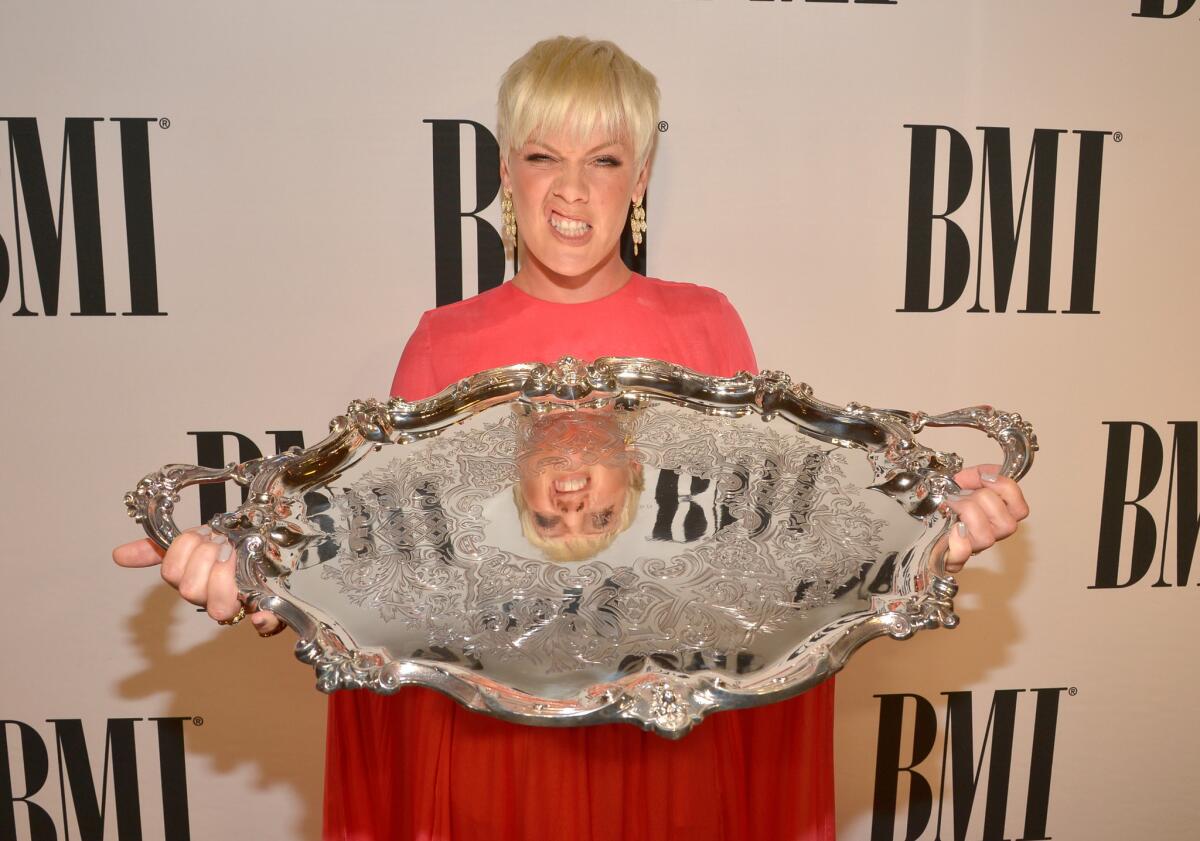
{"x":591,"y":151}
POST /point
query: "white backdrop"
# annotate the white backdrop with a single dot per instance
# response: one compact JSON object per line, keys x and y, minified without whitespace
{"x":293,"y":244}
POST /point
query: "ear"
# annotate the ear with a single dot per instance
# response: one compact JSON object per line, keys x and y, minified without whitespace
{"x":504,"y":185}
{"x":639,"y":186}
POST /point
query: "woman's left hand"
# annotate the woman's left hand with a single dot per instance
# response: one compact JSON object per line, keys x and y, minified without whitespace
{"x":989,"y":512}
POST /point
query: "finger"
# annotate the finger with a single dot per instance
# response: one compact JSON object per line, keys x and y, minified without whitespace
{"x":138,"y":553}
{"x":978,"y":476}
{"x":265,"y":622}
{"x":174,"y":562}
{"x":223,"y":603}
{"x":1003,"y":523}
{"x":194,"y":584}
{"x":1010,"y":494}
{"x":960,"y":548}
{"x":979,"y":526}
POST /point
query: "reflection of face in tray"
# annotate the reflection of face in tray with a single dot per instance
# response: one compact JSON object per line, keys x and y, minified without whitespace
{"x":579,"y":481}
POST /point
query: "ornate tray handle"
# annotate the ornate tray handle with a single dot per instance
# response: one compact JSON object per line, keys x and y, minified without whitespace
{"x":1014,"y":435}
{"x":152,"y":502}
{"x":934,"y":608}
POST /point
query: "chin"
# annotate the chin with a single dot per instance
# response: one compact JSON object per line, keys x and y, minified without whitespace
{"x":570,"y":265}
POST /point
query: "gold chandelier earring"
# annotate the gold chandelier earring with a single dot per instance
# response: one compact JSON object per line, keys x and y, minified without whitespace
{"x":637,"y":223}
{"x":508,"y":217}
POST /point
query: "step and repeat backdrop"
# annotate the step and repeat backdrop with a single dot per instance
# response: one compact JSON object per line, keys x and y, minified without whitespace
{"x":221,"y":222}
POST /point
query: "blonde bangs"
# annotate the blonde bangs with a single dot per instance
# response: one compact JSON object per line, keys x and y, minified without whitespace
{"x":576,"y":86}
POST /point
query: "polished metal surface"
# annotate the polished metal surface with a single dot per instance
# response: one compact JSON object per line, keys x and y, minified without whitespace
{"x":573,"y":544}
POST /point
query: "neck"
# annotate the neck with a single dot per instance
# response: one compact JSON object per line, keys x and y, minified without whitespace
{"x":537,"y":279}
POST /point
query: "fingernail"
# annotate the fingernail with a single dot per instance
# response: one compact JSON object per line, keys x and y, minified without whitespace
{"x":987,"y":477}
{"x":962,"y":529}
{"x":225,"y":552}
{"x":258,"y":623}
{"x":218,"y":538}
{"x":204,"y":531}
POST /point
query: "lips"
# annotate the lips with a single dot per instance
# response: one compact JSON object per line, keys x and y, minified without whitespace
{"x":568,"y":227}
{"x":571,"y":484}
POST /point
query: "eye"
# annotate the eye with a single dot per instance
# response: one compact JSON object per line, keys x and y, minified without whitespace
{"x":544,"y":522}
{"x":603,"y":518}
{"x":537,"y":158}
{"x":608,"y":160}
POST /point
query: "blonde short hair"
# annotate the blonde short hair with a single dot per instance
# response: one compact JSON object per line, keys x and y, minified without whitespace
{"x":578,"y":85}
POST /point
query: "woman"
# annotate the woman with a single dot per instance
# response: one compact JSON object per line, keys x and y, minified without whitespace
{"x":576,"y":127}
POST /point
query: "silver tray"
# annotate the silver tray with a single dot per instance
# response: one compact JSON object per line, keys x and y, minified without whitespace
{"x":570,"y":544}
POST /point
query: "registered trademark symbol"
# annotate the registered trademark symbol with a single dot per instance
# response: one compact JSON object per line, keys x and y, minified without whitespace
{"x":1117,"y":136}
{"x":164,"y":123}
{"x":1072,"y":691}
{"x":198,"y":720}
{"x":662,"y":125}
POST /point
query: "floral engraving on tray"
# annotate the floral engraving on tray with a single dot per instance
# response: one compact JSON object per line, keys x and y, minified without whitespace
{"x":794,"y":530}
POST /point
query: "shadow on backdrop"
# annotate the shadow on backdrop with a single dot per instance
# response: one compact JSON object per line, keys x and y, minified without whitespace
{"x":260,"y":708}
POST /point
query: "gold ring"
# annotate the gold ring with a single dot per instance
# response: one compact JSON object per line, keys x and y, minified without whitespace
{"x":241,"y":614}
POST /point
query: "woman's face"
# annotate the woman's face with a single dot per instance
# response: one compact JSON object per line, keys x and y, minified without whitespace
{"x":575,"y":472}
{"x":571,"y":198}
{"x":578,"y":501}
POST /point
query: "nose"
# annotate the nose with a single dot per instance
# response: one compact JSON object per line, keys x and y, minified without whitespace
{"x":574,"y":520}
{"x":571,"y":184}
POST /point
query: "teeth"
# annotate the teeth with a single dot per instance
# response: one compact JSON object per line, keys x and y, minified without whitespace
{"x":569,"y":227}
{"x":569,"y":485}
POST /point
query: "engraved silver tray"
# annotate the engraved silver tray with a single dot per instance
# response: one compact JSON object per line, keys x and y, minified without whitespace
{"x":569,"y":544}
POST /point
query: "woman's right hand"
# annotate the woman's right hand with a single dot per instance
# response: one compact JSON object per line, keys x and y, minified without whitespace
{"x":198,"y":565}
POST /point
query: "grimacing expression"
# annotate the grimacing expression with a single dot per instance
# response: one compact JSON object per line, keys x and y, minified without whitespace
{"x":571,"y":198}
{"x":580,"y":500}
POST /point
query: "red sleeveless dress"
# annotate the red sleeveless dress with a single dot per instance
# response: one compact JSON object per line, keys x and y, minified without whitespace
{"x":417,"y":766}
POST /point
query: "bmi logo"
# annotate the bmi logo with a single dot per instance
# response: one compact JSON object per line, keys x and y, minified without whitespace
{"x":1164,"y":9}
{"x":450,"y":216}
{"x":1137,"y":513}
{"x":1015,"y":218}
{"x":81,"y":799}
{"x":35,"y":240}
{"x":978,"y":806}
